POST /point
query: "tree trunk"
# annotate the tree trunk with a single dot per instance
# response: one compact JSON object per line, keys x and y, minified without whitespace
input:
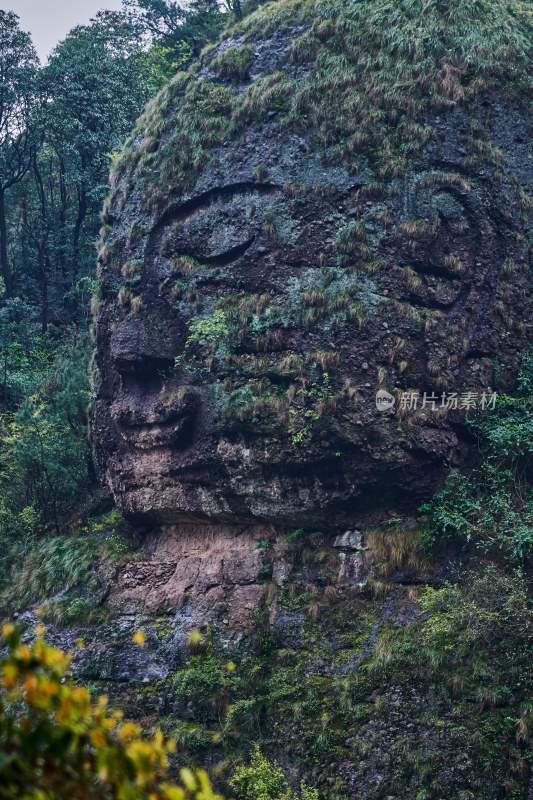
{"x":63,"y":211}
{"x":82,"y":212}
{"x":43,"y":281}
{"x":44,"y":260}
{"x":4,"y":260}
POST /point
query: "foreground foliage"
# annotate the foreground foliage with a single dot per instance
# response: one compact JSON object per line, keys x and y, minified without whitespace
{"x":55,"y":743}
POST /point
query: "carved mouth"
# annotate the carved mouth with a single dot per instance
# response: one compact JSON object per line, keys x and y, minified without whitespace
{"x":175,"y":432}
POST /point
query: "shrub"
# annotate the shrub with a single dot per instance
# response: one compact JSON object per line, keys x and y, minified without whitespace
{"x":262,"y":780}
{"x":492,"y":506}
{"x":206,"y":683}
{"x":207,"y":333}
{"x":479,"y":627}
{"x":55,"y":743}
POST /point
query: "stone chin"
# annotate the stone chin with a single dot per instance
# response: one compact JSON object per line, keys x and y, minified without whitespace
{"x":224,"y":481}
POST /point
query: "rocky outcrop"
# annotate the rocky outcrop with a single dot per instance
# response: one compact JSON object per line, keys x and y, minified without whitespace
{"x":301,"y":221}
{"x":208,"y":574}
{"x":364,"y":691}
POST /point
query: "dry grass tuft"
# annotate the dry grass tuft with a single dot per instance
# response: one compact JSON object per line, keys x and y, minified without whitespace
{"x":397,"y":550}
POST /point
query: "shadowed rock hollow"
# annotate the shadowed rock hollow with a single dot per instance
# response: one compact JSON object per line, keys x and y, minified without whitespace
{"x":333,"y":201}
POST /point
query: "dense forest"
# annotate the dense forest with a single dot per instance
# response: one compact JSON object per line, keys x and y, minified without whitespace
{"x":61,"y":125}
{"x":227,"y":230}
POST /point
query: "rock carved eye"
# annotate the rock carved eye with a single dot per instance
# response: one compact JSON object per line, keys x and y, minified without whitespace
{"x":214,"y":229}
{"x":448,"y":207}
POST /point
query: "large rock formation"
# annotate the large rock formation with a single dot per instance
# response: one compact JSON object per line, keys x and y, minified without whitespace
{"x":333,"y":201}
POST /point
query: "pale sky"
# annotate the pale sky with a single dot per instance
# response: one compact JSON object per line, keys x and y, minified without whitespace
{"x":49,"y":21}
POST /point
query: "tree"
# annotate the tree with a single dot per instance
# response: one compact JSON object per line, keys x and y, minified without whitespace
{"x":17,"y":335}
{"x":18,"y":71}
{"x":59,"y":128}
{"x":161,"y":20}
{"x":173,"y":26}
{"x":46,"y":461}
{"x":95,"y":87}
{"x":235,"y":6}
{"x":56,"y":743}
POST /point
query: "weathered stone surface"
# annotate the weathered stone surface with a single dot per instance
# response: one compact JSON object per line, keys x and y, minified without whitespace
{"x":203,"y":573}
{"x":353,"y":569}
{"x":349,"y":239}
{"x":353,"y":540}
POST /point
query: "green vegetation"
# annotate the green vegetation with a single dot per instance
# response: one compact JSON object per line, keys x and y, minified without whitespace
{"x":59,"y":124}
{"x":206,"y":333}
{"x":60,"y":573}
{"x":234,"y":63}
{"x":45,"y":464}
{"x":261,"y":780}
{"x":56,"y":743}
{"x":376,"y":70}
{"x":491,"y":507}
{"x":314,"y":400}
{"x":474,"y":638}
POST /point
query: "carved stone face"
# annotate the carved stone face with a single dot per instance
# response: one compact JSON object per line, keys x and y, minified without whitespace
{"x":258,"y":315}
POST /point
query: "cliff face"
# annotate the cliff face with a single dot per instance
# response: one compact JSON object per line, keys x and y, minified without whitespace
{"x":331,"y":203}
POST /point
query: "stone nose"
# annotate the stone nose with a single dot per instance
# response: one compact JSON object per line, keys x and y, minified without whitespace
{"x":127,"y":340}
{"x":132,"y":341}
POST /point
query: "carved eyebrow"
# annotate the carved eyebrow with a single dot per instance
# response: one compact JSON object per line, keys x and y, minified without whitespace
{"x":203,"y":200}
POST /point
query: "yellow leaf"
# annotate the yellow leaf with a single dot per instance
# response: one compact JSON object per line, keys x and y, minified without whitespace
{"x":97,"y":738}
{"x":188,"y":779}
{"x":81,"y":695}
{"x":195,"y":637}
{"x":128,"y":731}
{"x":8,"y":629}
{"x":139,"y":637}
{"x":50,"y":688}
{"x":10,"y":676}
{"x":30,"y":684}
{"x":174,"y":793}
{"x":25,"y":653}
{"x":204,"y":781}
